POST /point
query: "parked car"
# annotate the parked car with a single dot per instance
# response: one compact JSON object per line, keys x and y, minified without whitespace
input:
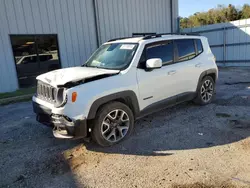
{"x":125,"y":79}
{"x":34,"y":65}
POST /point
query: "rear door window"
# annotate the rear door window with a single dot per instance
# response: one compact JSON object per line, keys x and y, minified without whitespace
{"x":186,"y":49}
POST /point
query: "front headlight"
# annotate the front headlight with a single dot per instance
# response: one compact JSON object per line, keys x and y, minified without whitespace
{"x":61,"y":97}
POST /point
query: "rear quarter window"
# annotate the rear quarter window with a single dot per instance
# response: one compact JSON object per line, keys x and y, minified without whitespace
{"x":186,"y":49}
{"x":199,"y":46}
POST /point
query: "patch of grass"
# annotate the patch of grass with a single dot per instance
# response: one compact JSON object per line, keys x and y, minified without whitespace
{"x":15,"y":100}
{"x":17,"y":93}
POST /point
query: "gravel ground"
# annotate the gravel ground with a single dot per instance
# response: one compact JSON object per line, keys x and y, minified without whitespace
{"x":183,"y":146}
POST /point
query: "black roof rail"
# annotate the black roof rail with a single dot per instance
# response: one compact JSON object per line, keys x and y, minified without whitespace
{"x":142,"y":34}
{"x":134,"y":35}
{"x":120,"y":38}
{"x":161,"y":34}
{"x":167,"y":33}
{"x":147,"y":36}
{"x":193,"y":34}
{"x":151,"y":36}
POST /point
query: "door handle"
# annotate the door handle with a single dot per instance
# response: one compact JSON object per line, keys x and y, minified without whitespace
{"x":171,"y":72}
{"x":198,"y":65}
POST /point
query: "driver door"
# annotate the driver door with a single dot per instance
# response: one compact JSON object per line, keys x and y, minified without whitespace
{"x":157,"y":85}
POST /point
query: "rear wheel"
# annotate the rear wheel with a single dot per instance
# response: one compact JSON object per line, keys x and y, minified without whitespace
{"x":205,"y":92}
{"x":114,"y":122}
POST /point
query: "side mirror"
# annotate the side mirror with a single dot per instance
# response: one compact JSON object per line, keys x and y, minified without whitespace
{"x":154,"y":63}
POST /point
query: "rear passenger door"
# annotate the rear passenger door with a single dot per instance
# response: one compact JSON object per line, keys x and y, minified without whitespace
{"x":188,"y":65}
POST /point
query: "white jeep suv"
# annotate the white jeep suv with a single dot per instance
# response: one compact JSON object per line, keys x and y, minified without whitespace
{"x":125,"y":79}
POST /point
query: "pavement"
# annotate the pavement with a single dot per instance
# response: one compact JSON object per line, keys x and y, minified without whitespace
{"x":183,"y":146}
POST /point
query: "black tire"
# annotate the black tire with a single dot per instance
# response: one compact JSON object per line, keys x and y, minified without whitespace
{"x":201,"y":97}
{"x":102,"y":118}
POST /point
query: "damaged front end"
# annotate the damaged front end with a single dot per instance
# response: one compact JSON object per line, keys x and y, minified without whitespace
{"x":66,"y":128}
{"x":86,"y":80}
{"x":52,"y":94}
{"x":70,"y":77}
{"x":63,"y":127}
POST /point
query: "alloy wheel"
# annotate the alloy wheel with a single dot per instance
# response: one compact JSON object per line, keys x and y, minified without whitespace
{"x":115,"y":125}
{"x":207,"y":90}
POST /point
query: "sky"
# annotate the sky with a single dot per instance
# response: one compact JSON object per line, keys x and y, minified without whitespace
{"x":189,"y":7}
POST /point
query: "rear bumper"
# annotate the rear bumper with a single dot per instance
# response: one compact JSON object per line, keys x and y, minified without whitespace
{"x":63,"y":127}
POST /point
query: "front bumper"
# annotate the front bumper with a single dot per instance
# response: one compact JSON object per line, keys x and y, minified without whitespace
{"x":63,"y":127}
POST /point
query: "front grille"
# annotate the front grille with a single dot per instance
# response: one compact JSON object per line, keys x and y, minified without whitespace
{"x":46,"y":92}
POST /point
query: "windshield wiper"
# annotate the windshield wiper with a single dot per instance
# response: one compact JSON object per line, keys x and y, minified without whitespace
{"x":85,"y":65}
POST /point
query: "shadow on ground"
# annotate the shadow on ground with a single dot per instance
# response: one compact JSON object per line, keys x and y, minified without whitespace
{"x":30,"y":155}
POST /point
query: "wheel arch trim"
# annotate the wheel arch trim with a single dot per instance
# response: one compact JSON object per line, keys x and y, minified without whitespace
{"x":205,"y":73}
{"x":128,"y":96}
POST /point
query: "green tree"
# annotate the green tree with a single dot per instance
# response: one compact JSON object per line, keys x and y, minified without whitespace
{"x":219,"y":14}
{"x":245,"y":12}
{"x":231,"y":13}
{"x":184,"y":23}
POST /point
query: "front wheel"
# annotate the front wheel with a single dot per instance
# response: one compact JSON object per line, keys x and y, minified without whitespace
{"x":113,"y":123}
{"x":205,"y":92}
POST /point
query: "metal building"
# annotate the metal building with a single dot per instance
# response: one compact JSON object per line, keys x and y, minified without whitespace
{"x":37,"y":36}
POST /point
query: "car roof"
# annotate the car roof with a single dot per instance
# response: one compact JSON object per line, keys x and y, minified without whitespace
{"x":154,"y":39}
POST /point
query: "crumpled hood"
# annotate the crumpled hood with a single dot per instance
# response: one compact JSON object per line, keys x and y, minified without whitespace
{"x":74,"y":74}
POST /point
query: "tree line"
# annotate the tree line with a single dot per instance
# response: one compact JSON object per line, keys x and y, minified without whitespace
{"x":220,"y":14}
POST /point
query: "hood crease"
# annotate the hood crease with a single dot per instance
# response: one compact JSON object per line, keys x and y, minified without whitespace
{"x":63,"y":76}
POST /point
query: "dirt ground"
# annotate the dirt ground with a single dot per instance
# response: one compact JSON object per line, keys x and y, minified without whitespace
{"x":181,"y":147}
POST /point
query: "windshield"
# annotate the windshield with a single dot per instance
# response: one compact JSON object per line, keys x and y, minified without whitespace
{"x":113,"y":56}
